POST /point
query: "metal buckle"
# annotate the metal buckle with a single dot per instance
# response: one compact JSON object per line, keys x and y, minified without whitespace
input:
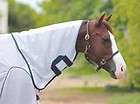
{"x":103,"y":62}
{"x":87,"y":36}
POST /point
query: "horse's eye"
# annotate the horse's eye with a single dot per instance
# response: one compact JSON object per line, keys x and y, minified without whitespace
{"x":107,"y":42}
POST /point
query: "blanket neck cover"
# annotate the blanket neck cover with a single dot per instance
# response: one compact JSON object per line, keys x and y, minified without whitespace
{"x":43,"y":48}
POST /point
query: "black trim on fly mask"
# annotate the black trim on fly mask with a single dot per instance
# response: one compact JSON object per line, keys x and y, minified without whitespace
{"x":54,"y":67}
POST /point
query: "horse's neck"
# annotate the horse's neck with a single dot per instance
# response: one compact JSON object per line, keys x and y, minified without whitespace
{"x":55,"y":39}
{"x":80,"y":44}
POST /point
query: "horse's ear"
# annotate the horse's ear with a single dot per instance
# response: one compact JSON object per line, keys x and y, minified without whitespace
{"x":101,"y":18}
{"x":108,"y":18}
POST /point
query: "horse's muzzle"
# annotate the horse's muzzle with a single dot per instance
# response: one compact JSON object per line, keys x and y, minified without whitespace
{"x":122,"y":73}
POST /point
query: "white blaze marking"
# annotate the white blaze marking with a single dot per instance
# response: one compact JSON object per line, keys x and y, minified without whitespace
{"x":118,"y":59}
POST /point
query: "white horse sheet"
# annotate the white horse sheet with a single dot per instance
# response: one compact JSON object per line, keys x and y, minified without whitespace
{"x":43,"y":48}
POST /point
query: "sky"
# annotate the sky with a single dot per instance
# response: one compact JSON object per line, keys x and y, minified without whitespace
{"x":32,"y":3}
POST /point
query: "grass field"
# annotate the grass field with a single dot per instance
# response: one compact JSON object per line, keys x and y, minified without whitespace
{"x":88,"y":95}
{"x":126,"y":98}
{"x":92,"y":95}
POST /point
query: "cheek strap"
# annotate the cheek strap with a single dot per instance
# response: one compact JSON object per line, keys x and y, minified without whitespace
{"x":102,"y":62}
{"x":105,"y":61}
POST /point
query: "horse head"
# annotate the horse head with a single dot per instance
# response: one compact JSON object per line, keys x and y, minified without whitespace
{"x":97,"y":42}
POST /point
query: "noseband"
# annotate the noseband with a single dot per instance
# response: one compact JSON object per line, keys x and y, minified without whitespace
{"x":103,"y":61}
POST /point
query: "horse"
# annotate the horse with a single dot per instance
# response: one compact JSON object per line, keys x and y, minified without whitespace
{"x":30,"y":60}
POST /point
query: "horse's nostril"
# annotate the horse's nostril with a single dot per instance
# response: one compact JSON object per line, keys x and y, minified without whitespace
{"x":122,"y":69}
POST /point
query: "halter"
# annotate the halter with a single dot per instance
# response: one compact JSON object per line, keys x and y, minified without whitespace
{"x":103,"y":61}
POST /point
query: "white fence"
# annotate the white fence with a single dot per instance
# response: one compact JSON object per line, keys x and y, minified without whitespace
{"x":3,"y":16}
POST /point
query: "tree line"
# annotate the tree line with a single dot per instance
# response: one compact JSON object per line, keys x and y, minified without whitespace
{"x":125,"y":23}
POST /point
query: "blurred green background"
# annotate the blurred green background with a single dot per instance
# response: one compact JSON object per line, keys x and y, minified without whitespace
{"x":126,"y":26}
